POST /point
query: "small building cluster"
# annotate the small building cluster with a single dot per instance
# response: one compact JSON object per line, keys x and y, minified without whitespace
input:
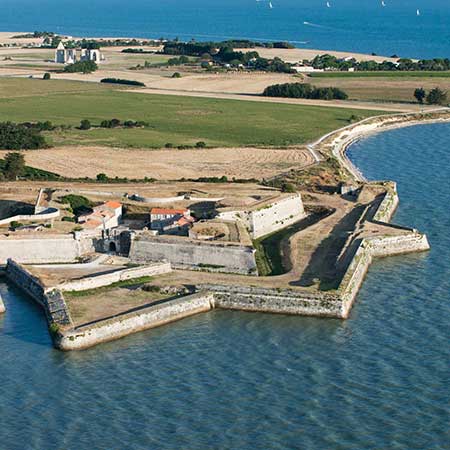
{"x":171,"y":221}
{"x":65,"y":55}
{"x":103,"y":217}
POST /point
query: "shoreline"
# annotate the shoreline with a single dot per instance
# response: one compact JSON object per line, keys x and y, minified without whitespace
{"x":343,"y":138}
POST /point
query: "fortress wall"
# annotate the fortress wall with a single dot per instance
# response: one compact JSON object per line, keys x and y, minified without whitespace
{"x":195,"y":255}
{"x":368,"y":249}
{"x":388,"y":206}
{"x":123,"y":325}
{"x":278,"y":301}
{"x":2,"y":306}
{"x":57,"y":249}
{"x":51,"y":300}
{"x":106,"y":279}
{"x":52,"y":213}
{"x":276,"y":216}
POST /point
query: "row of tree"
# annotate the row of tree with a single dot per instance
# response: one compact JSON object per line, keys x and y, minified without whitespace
{"x":434,"y":97}
{"x":403,"y":64}
{"x":304,"y":90}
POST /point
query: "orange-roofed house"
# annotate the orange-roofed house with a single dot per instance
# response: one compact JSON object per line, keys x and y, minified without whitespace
{"x":166,"y":220}
{"x":103,"y":217}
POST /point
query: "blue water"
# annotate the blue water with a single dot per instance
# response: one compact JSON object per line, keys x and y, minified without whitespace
{"x":352,"y":25}
{"x":231,"y":380}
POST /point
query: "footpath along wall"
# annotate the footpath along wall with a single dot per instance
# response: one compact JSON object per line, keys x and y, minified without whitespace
{"x":105,"y":279}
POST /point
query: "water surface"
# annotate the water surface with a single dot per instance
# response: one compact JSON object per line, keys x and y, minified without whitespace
{"x":362,"y":26}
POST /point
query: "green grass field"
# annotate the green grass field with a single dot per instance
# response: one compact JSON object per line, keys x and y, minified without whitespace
{"x":178,"y":120}
{"x":381,"y":74}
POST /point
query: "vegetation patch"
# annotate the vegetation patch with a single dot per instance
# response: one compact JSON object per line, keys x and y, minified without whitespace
{"x":119,"y":284}
{"x":122,"y":81}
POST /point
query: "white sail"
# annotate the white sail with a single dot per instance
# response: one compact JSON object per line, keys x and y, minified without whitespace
{"x":418,"y":12}
{"x":270,"y":5}
{"x":328,"y":5}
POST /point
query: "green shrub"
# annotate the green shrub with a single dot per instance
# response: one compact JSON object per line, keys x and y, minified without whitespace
{"x":122,"y":81}
{"x":176,"y":75}
{"x":200,"y":144}
{"x":82,"y":67}
{"x":46,"y":76}
{"x":85,"y":125}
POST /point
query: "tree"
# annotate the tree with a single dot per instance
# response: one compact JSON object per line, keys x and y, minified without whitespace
{"x":21,"y":136}
{"x":81,"y":66}
{"x":102,"y":177}
{"x":420,"y":95}
{"x":46,"y":76}
{"x":14,"y":165}
{"x":85,"y":125}
{"x":437,"y":97}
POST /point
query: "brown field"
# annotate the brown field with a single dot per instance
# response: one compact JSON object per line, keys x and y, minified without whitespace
{"x":168,"y":164}
{"x":369,"y":89}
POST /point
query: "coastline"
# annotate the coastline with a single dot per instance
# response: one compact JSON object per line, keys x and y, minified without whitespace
{"x":343,"y":138}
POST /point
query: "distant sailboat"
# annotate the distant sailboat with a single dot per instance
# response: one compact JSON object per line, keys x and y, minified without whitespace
{"x":328,"y":5}
{"x":418,"y":12}
{"x":383,"y":3}
{"x":270,"y":5}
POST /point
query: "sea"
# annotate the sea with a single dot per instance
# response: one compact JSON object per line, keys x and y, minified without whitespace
{"x":351,"y":25}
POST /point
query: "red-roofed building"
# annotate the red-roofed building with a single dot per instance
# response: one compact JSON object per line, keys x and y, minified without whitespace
{"x":103,"y":217}
{"x":166,"y":220}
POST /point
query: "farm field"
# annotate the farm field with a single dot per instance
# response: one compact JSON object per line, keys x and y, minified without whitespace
{"x":380,"y":89}
{"x":178,"y":120}
{"x":170,"y":164}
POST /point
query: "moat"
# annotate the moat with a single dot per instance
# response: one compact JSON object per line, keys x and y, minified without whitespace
{"x":288,"y":375}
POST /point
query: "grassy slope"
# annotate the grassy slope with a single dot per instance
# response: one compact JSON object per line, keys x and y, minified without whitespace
{"x":179,"y":120}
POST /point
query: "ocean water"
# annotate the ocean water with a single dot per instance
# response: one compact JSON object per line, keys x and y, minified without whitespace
{"x":232,"y":380}
{"x":352,"y":25}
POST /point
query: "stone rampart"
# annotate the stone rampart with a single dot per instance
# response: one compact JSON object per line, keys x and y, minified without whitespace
{"x":278,"y":215}
{"x":128,"y":323}
{"x":48,"y":214}
{"x":279,"y":301}
{"x":106,"y":279}
{"x":368,"y":249}
{"x":186,"y":254}
{"x":51,"y":300}
{"x":41,"y":250}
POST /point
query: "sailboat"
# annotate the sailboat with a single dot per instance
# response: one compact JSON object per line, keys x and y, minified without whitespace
{"x":383,"y":3}
{"x":328,"y":5}
{"x":270,"y":5}
{"x":418,"y":12}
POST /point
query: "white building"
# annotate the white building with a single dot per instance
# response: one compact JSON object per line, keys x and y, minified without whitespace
{"x":103,"y":217}
{"x":65,"y":55}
